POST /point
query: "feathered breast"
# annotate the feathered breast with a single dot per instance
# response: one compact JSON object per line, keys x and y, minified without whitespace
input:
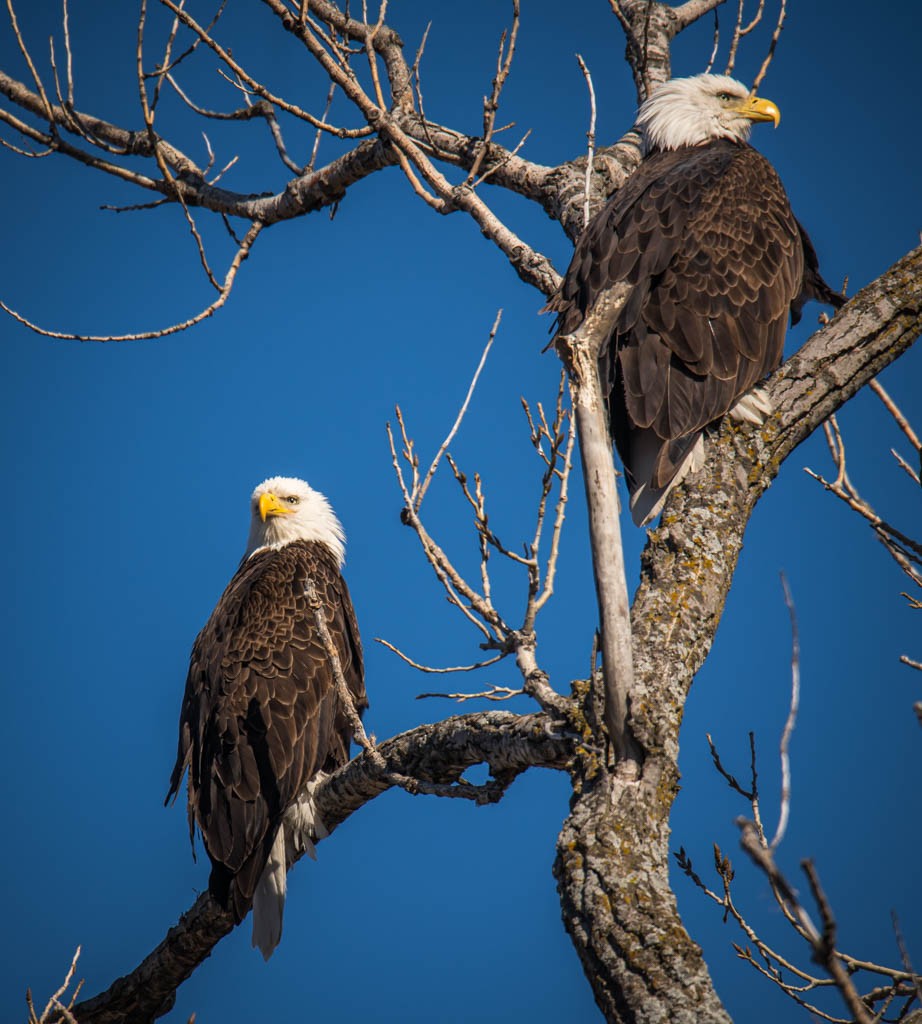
{"x":716,"y":261}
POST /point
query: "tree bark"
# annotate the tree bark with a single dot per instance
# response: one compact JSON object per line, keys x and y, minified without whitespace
{"x":612,"y":864}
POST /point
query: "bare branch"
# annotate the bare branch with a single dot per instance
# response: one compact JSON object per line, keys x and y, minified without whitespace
{"x":716,"y":44}
{"x":580,"y":354}
{"x":253,"y":84}
{"x":475,"y":607}
{"x":438,"y":753}
{"x":23,"y":49}
{"x":825,"y":950}
{"x":438,"y":671}
{"x":737,"y":35}
{"x":732,"y":781}
{"x":229,"y":278}
{"x":904,"y":953}
{"x":590,"y":136}
{"x":537,"y":602}
{"x":342,"y":687}
{"x":55,"y":1011}
{"x":495,"y":693}
{"x":688,"y":13}
{"x":782,"y":12}
{"x":757,"y":17}
{"x":901,"y":421}
{"x":791,"y":719}
{"x":419,"y":493}
{"x":69,"y":53}
{"x":491,"y":105}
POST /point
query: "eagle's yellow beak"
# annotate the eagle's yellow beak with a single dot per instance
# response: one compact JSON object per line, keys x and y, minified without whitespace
{"x":269,"y":505}
{"x":756,"y":109}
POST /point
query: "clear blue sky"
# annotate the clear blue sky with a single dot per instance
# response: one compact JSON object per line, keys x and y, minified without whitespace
{"x":128,"y":469}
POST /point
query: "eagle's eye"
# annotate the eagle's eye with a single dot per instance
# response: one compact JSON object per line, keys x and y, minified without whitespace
{"x":724,"y":97}
{"x":293,"y":499}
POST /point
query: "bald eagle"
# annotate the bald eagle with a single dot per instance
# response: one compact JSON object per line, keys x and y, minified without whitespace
{"x":703,"y":236}
{"x":261,"y":718}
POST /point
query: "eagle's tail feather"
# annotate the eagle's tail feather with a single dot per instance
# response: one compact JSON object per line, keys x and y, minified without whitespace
{"x":269,"y":898}
{"x":646,"y":500}
{"x":300,"y":827}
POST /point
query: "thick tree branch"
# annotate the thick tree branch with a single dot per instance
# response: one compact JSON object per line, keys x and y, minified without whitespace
{"x":580,"y":354}
{"x":433,"y":754}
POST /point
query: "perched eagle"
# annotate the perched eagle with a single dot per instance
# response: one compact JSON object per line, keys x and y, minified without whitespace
{"x":703,"y":236}
{"x":261,"y":718}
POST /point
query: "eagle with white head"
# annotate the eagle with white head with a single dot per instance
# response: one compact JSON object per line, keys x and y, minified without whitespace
{"x":715,"y":262}
{"x":261,"y":718}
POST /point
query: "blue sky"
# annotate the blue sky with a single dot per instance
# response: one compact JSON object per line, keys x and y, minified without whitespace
{"x":129,"y":467}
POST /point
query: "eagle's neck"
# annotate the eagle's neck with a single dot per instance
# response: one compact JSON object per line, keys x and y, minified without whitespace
{"x":318,"y":524}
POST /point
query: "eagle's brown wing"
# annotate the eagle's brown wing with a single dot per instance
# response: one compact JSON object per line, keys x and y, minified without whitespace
{"x":715,"y":259}
{"x":260,"y":715}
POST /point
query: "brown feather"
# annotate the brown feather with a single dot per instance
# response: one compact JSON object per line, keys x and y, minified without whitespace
{"x":717,"y":262}
{"x":260,"y":716}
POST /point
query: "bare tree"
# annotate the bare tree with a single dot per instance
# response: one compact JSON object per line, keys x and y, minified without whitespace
{"x":616,"y":733}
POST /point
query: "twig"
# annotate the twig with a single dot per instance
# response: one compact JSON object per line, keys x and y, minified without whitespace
{"x":904,"y":953}
{"x":737,"y":35}
{"x":438,"y":671}
{"x":716,"y":45}
{"x":757,"y":17}
{"x":491,"y":105}
{"x":54,"y":1004}
{"x":590,"y":136}
{"x":496,"y":693}
{"x":761,"y":856}
{"x":420,"y":492}
{"x":560,"y":511}
{"x":477,"y":610}
{"x":636,"y":48}
{"x":500,"y":164}
{"x":757,"y":81}
{"x":257,"y":87}
{"x":323,"y":117}
{"x":791,"y":719}
{"x":346,"y":701}
{"x":148,"y":114}
{"x":245,"y":246}
{"x":825,"y":950}
{"x":24,"y":50}
{"x":731,"y":780}
{"x":65,"y":23}
{"x":901,"y":421}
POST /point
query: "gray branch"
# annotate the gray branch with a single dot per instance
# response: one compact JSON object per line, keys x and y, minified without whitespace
{"x":437,"y":755}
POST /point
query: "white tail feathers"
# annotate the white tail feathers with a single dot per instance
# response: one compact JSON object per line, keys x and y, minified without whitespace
{"x":300,"y":827}
{"x":269,"y":898}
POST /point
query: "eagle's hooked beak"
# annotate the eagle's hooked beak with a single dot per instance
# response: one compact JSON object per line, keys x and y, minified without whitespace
{"x":269,"y":505}
{"x":756,"y":109}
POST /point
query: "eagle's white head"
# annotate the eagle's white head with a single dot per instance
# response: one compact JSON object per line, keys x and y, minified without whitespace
{"x":690,"y":111}
{"x":284,"y":509}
